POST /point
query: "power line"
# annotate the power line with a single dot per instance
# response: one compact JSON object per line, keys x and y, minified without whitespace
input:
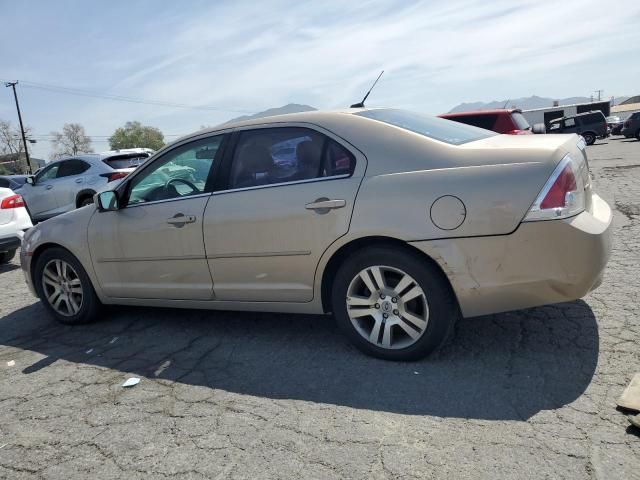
{"x":121,"y":98}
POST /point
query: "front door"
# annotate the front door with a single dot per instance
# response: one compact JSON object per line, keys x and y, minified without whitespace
{"x":290,"y":195}
{"x":41,"y":197}
{"x":152,"y":247}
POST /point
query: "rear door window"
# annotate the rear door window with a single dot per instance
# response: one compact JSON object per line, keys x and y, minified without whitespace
{"x":72,"y":167}
{"x":269,"y":156}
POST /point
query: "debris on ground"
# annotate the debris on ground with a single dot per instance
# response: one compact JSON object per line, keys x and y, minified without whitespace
{"x":131,"y":382}
{"x":11,"y":363}
{"x":630,"y":398}
{"x":635,"y":420}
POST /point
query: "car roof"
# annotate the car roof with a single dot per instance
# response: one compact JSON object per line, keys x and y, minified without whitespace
{"x":495,"y":111}
{"x":313,"y":117}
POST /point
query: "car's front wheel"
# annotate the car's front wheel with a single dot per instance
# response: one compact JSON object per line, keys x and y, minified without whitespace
{"x":6,"y":257}
{"x":393,"y":304}
{"x":589,"y":138}
{"x":64,"y":287}
{"x":86,"y":201}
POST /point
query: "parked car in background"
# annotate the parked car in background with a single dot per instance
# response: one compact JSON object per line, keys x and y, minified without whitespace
{"x":70,"y":183}
{"x":376,"y":216}
{"x":14,"y":221}
{"x":14,"y":182}
{"x":590,"y":125}
{"x":615,"y":125}
{"x":631,"y":126}
{"x":504,"y":120}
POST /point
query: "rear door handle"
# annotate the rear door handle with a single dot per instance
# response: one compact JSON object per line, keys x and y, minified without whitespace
{"x":180,"y":219}
{"x":49,"y":187}
{"x":78,"y":180}
{"x":323,"y":205}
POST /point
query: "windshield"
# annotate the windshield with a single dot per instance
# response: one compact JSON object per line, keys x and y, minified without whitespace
{"x":447,"y":131}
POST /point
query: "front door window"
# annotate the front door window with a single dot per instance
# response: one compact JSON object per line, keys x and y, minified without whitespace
{"x":183,"y":172}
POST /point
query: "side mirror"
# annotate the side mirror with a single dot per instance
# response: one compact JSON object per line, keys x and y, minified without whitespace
{"x":31,"y":180}
{"x":106,"y":201}
{"x":539,"y":128}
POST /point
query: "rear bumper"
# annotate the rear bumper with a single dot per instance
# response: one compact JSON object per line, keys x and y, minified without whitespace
{"x":10,"y":243}
{"x":540,"y":263}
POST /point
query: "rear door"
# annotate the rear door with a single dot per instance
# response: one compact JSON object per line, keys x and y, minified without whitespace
{"x":289,"y":195}
{"x":69,"y":181}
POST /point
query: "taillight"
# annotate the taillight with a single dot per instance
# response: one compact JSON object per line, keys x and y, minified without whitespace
{"x":14,"y":201}
{"x":116,"y":176}
{"x":564,"y":193}
{"x":519,"y":132}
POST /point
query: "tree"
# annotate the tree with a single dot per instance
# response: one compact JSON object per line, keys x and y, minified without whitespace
{"x":134,"y":135}
{"x":71,"y":141}
{"x":11,"y":145}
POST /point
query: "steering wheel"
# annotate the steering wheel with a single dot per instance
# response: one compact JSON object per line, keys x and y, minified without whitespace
{"x":180,"y":180}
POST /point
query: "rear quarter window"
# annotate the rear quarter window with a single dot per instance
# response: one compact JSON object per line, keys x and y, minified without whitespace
{"x":447,"y":131}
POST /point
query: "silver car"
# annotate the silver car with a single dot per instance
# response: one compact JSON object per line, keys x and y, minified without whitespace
{"x":70,"y":183}
{"x":395,"y":222}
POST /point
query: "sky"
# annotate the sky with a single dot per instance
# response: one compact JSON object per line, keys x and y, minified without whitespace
{"x":234,"y":57}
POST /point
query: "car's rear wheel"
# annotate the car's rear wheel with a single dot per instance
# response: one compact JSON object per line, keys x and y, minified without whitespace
{"x":6,"y":257}
{"x":393,"y":304}
{"x":589,"y":138}
{"x":64,"y":287}
{"x":638,"y":134}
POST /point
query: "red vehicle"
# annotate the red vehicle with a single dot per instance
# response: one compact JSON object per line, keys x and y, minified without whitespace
{"x":502,"y":120}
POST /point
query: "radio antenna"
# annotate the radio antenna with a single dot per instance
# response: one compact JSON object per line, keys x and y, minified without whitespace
{"x":361,"y":104}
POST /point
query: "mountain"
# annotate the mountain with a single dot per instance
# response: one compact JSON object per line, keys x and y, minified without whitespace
{"x":290,"y":108}
{"x":525,"y":103}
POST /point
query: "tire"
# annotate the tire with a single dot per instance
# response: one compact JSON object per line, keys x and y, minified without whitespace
{"x":436,"y":307}
{"x":78,"y":308}
{"x":85,"y":201}
{"x":6,"y":257}
{"x":638,"y":134}
{"x":589,"y":138}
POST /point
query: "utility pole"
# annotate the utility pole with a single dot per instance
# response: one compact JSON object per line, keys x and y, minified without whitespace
{"x":24,"y":138}
{"x":599,"y":92}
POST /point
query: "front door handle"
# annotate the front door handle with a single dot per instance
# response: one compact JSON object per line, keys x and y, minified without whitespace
{"x":78,"y":180}
{"x":49,"y":187}
{"x":180,"y":219}
{"x":323,"y":205}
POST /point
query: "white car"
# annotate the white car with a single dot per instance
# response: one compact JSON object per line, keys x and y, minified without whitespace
{"x":14,"y":220}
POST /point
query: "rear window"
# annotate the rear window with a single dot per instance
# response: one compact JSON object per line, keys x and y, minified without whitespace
{"x":129,"y":160}
{"x":520,"y":121}
{"x":453,"y":133}
{"x":488,"y":121}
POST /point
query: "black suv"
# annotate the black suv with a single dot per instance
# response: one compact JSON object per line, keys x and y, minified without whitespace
{"x":631,"y":126}
{"x":590,"y":125}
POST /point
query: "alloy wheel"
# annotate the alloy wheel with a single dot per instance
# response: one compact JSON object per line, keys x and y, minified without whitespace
{"x":62,"y":287}
{"x":387,"y":307}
